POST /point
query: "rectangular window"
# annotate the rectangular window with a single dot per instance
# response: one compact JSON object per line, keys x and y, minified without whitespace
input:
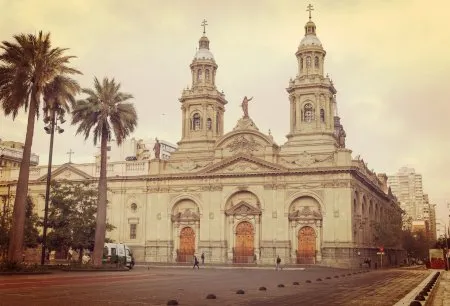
{"x":133,"y":231}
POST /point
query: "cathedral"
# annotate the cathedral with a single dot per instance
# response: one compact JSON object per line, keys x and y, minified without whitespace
{"x":239,"y":197}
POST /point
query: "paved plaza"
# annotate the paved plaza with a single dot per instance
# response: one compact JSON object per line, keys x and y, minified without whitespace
{"x":155,"y":286}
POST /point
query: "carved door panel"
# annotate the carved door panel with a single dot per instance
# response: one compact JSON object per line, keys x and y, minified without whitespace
{"x":244,"y":245}
{"x":187,"y":245}
{"x":306,"y":252}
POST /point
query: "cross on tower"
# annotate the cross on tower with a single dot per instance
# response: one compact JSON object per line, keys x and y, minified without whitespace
{"x":309,"y":9}
{"x":204,"y":24}
{"x":70,"y":155}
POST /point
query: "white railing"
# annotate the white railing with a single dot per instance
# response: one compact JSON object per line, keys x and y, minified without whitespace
{"x":135,"y":166}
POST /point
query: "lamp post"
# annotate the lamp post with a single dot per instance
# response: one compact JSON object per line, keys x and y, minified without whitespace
{"x":52,"y":124}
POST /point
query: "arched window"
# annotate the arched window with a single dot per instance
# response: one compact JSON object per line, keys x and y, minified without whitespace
{"x":316,"y":62}
{"x":308,"y":62}
{"x":301,"y":63}
{"x":207,"y":75}
{"x":308,"y":113}
{"x":196,"y":122}
{"x":208,"y":122}
{"x":199,"y":75}
{"x":322,"y":115}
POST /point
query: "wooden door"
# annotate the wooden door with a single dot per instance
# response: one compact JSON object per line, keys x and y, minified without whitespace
{"x":244,"y":245}
{"x":306,"y":252}
{"x":187,"y":245}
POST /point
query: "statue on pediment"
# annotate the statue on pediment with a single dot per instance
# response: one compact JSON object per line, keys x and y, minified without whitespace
{"x":245,"y":106}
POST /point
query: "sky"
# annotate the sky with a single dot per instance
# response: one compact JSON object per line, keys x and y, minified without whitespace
{"x":389,"y":61}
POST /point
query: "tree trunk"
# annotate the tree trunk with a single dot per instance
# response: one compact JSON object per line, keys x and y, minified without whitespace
{"x":80,"y":256}
{"x":17,"y":230}
{"x":100,"y":229}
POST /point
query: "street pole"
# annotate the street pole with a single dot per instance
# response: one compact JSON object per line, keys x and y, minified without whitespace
{"x":47,"y":190}
{"x":446,"y":250}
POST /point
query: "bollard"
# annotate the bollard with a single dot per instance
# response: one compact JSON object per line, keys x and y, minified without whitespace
{"x":262,"y":289}
{"x":240,"y":291}
{"x":211,"y":296}
{"x":172,"y":302}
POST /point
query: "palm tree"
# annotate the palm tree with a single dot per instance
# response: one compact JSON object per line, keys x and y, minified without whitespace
{"x":27,"y":66}
{"x":105,"y":112}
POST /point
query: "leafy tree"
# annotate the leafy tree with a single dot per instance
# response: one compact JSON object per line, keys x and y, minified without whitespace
{"x":416,"y":244}
{"x":389,"y":232}
{"x":105,"y":112}
{"x":72,"y":216}
{"x":28,"y":66}
{"x":5,"y":225}
{"x":31,"y":231}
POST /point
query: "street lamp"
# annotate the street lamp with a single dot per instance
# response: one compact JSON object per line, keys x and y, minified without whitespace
{"x":52,"y":124}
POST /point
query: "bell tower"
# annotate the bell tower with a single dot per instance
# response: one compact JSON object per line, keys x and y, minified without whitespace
{"x":312,"y":97}
{"x":202,"y":105}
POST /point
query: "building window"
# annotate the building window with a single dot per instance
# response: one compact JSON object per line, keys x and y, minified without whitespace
{"x":108,"y":148}
{"x":208,"y":124}
{"x":322,"y":115}
{"x":308,"y":114}
{"x":207,"y":75}
{"x":199,"y":75}
{"x":196,"y":122}
{"x":301,"y":64}
{"x":316,"y":62}
{"x":133,"y":231}
{"x":308,"y":62}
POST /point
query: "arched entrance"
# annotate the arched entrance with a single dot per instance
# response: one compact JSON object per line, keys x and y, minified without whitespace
{"x":244,"y":243}
{"x":306,"y":252}
{"x":187,"y":245}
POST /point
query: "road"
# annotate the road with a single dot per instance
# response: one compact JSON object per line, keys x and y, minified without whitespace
{"x":156,"y":286}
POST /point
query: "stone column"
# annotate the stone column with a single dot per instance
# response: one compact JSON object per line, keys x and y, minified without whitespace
{"x":319,"y":241}
{"x":257,"y":235}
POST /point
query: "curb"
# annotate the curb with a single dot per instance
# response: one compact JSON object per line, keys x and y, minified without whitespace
{"x":407,"y":299}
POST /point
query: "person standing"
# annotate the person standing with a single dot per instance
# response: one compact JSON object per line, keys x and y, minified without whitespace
{"x":203,"y":258}
{"x":195,"y":263}
{"x":278,"y":266}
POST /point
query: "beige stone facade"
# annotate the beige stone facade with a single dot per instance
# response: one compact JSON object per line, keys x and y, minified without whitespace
{"x":240,"y":196}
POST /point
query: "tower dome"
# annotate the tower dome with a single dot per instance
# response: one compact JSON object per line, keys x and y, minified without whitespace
{"x":203,"y":51}
{"x":310,"y":38}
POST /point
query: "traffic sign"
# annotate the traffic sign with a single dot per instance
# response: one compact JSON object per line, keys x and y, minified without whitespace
{"x":380,"y":253}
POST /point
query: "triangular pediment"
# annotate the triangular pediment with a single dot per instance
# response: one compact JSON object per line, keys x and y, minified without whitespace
{"x":67,"y":172}
{"x":243,"y":209}
{"x":243,"y":164}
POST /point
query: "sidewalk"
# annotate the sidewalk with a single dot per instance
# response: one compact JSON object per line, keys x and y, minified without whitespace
{"x":225,"y":266}
{"x":442,"y":296}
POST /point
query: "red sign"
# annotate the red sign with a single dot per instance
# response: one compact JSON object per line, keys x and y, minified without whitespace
{"x":381,"y":249}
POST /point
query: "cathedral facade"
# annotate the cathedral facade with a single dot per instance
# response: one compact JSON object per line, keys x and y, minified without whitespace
{"x":239,"y":197}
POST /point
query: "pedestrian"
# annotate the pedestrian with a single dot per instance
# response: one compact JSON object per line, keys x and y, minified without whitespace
{"x":278,"y":266}
{"x":203,"y":258}
{"x":195,"y":263}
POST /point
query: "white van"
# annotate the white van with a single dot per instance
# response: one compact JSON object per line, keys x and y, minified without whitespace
{"x":122,"y":251}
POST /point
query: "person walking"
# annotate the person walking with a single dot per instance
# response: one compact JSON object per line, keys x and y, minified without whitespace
{"x":195,"y":263}
{"x":203,"y":258}
{"x":278,"y":266}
